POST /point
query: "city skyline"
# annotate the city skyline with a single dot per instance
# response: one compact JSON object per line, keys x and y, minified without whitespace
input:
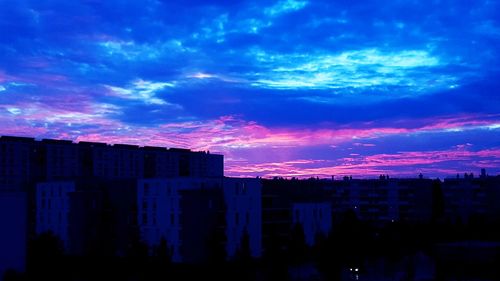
{"x":282,"y":88}
{"x":145,"y":170}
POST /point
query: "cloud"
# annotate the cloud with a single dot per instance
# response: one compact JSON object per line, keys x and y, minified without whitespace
{"x":142,"y":90}
{"x":293,"y":83}
{"x":132,"y":51}
{"x":285,"y":6}
{"x":405,"y":164}
{"x":365,"y":68}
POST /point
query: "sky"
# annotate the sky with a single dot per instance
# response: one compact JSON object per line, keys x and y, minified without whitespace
{"x":293,"y":88}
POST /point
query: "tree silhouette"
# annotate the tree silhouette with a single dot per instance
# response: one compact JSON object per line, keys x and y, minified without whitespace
{"x":13,"y":275}
{"x":163,"y":253}
{"x":437,"y":200}
{"x":276,"y":265}
{"x":45,"y":254}
{"x":244,"y":254}
{"x":159,"y":264}
{"x":297,"y":248}
{"x":215,"y":247}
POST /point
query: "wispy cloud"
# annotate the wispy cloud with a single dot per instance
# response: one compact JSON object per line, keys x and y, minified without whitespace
{"x":142,"y":90}
{"x":283,"y":85}
{"x":351,"y":69}
{"x":133,"y":51}
{"x":285,"y":6}
{"x":406,"y":164}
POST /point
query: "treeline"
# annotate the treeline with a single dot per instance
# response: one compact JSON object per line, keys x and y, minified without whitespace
{"x":349,"y":244}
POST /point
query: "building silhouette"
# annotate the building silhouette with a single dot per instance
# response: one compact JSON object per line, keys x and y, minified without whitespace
{"x":105,"y":200}
{"x":26,"y":161}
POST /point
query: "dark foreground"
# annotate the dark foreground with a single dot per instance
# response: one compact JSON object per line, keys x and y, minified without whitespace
{"x":355,"y":251}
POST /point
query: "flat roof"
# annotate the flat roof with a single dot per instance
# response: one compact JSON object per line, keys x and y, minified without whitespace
{"x":19,"y":139}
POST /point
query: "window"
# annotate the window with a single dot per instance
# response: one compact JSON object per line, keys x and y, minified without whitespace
{"x":146,"y":189}
{"x":237,"y":218}
{"x":172,"y":217}
{"x":144,"y":204}
{"x":144,"y":218}
{"x":49,"y":204}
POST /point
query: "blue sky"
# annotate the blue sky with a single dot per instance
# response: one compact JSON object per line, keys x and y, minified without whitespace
{"x":292,"y":87}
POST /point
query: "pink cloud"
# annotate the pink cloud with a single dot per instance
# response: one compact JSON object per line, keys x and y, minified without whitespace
{"x":235,"y":138}
{"x":401,"y":164}
{"x":226,"y":133}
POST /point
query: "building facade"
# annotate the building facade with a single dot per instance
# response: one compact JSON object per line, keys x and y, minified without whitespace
{"x":163,"y":211}
{"x":315,"y":218}
{"x":26,"y":161}
{"x":52,"y":209}
{"x":14,"y":231}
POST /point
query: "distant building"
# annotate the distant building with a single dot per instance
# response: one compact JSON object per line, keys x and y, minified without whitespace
{"x":315,"y":218}
{"x":384,"y":200}
{"x":472,"y":199}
